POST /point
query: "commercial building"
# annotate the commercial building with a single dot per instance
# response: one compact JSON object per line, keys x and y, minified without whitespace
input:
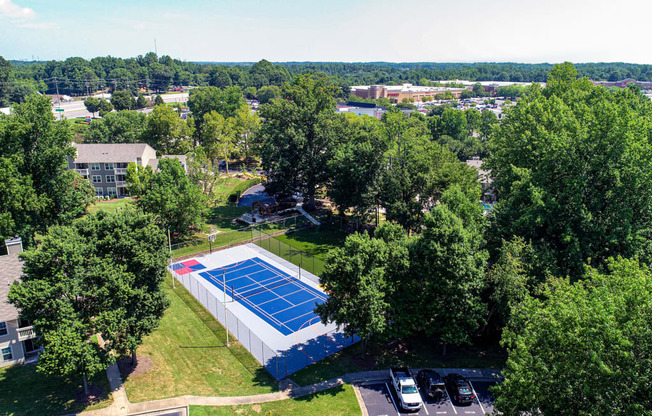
{"x":105,"y":165}
{"x":16,"y":336}
{"x":489,"y":86}
{"x":645,"y":85}
{"x":401,"y":92}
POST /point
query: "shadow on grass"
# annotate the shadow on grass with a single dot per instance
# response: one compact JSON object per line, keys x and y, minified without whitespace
{"x":317,"y":241}
{"x":334,"y":391}
{"x":223,"y":216}
{"x":23,"y":391}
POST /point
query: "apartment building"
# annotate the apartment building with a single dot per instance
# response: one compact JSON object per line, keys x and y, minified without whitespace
{"x":105,"y":165}
{"x":16,"y":336}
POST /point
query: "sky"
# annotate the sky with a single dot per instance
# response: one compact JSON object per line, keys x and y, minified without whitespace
{"x":330,"y":30}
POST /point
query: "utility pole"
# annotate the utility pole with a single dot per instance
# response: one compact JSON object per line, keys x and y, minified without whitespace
{"x":56,"y":84}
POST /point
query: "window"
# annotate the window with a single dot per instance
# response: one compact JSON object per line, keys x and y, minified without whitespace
{"x":95,"y":166}
{"x":111,"y":191}
{"x":6,"y":354}
{"x":3,"y":328}
{"x":99,"y":192}
{"x":139,"y":161}
{"x":108,"y":166}
{"x":97,"y":178}
{"x":110,"y":179}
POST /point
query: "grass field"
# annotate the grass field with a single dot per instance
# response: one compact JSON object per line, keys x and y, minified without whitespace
{"x":24,"y":392}
{"x":189,"y":357}
{"x":109,"y":206}
{"x":317,"y":242}
{"x":338,"y":401}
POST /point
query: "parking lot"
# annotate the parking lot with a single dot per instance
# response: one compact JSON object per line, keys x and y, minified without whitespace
{"x":380,"y":400}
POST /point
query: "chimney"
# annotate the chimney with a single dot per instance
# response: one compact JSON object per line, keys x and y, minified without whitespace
{"x":14,"y":245}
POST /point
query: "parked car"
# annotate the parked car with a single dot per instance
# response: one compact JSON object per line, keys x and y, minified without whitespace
{"x":459,"y":389}
{"x":406,"y":388}
{"x":431,"y":383}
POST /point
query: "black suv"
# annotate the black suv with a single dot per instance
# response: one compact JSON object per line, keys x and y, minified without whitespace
{"x":431,"y":383}
{"x":459,"y":389}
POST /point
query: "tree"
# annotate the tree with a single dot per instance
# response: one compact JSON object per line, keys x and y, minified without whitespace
{"x":122,"y":100}
{"x":354,"y":166}
{"x":34,"y":151}
{"x":202,"y":101}
{"x":105,"y":107}
{"x":246,"y":126}
{"x":100,"y":275}
{"x":359,"y":286}
{"x":268,"y":93}
{"x":6,"y":75}
{"x":138,"y":178}
{"x":141,"y":101}
{"x":296,"y":136}
{"x":572,"y":164}
{"x":176,"y":203}
{"x":449,"y":270}
{"x":92,"y":105}
{"x":250,"y":93}
{"x":117,"y":127}
{"x":159,"y":100}
{"x":583,"y":348}
{"x":204,"y":172}
{"x":161,"y":76}
{"x":217,"y":137}
{"x":168,"y":133}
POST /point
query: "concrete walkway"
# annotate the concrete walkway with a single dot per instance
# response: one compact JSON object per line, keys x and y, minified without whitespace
{"x":303,"y":212}
{"x":122,"y":407}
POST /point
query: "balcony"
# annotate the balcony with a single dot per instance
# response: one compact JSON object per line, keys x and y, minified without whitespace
{"x":26,"y":333}
{"x":120,"y":171}
{"x":121,"y":184}
{"x":83,"y":172}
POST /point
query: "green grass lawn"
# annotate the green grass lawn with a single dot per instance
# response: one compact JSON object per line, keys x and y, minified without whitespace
{"x":109,"y":206}
{"x":189,"y":357}
{"x":23,"y":391}
{"x":416,"y":352}
{"x":316,"y":241}
{"x":338,"y":401}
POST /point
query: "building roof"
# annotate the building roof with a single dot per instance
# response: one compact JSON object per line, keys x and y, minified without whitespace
{"x":182,"y":158}
{"x":484,"y":176}
{"x":109,"y":152}
{"x":11,"y":268}
{"x":266,"y":203}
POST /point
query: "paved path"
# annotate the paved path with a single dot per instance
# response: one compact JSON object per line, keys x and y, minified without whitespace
{"x":122,"y":407}
{"x":299,"y":208}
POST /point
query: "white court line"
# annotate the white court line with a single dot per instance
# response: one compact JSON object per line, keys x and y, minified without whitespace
{"x":293,"y":305}
{"x":392,"y":398}
{"x":477,"y":398}
{"x":450,"y":400}
{"x":319,"y":295}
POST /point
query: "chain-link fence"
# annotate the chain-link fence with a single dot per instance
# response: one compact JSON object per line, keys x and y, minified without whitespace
{"x":245,"y":234}
{"x":279,"y":364}
{"x":295,"y":256}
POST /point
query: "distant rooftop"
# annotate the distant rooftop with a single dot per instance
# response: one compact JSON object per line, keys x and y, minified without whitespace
{"x":11,"y":268}
{"x":109,"y":152}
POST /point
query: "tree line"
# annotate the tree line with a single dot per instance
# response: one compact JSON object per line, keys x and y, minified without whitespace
{"x":78,"y":76}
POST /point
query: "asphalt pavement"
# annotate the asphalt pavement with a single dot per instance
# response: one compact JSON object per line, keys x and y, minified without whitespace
{"x":380,"y":399}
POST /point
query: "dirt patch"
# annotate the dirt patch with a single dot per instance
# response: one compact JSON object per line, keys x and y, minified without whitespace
{"x":95,"y":394}
{"x":256,"y":408}
{"x":127,"y":370}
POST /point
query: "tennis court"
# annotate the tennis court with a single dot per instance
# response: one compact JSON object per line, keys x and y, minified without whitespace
{"x":267,"y":303}
{"x":279,"y":299}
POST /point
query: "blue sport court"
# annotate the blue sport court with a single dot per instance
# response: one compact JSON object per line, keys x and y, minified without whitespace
{"x":279,"y":299}
{"x":260,"y":299}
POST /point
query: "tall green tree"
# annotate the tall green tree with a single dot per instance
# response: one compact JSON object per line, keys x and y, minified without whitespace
{"x":176,"y":203}
{"x":117,"y":127}
{"x":449,"y":266}
{"x":123,"y":100}
{"x":572,"y":164}
{"x":92,"y":105}
{"x":34,"y":150}
{"x":202,"y":101}
{"x":100,"y":275}
{"x":168,"y":133}
{"x":584,"y":349}
{"x":296,"y":136}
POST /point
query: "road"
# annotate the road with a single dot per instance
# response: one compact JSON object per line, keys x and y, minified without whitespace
{"x":76,"y":109}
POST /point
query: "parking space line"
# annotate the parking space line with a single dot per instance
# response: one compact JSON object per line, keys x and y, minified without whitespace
{"x":392,"y":398}
{"x":477,"y":398}
{"x":449,"y":399}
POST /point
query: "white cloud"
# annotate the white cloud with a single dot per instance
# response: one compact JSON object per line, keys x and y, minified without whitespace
{"x":40,"y":25}
{"x":11,"y":10}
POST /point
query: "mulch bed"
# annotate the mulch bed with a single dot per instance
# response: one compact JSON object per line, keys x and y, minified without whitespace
{"x":126,"y":369}
{"x":95,"y":394}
